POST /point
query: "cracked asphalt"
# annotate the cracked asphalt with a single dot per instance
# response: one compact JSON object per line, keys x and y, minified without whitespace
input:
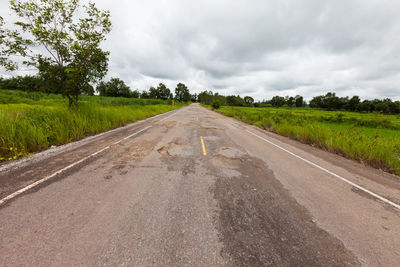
{"x":156,"y":199}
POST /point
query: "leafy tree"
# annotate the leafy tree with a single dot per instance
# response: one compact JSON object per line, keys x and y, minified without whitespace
{"x":299,"y":102}
{"x":277,"y":101}
{"x":102,"y":88}
{"x":233,"y":100}
{"x":248,"y":100}
{"x":24,"y":83}
{"x":221,"y":99}
{"x":193,"y":98}
{"x":290,"y":101}
{"x":163,"y":91}
{"x":73,"y":59}
{"x":135,"y":94}
{"x":353,"y":103}
{"x":114,"y":88}
{"x":182,"y":93}
{"x":144,"y":94}
{"x":153,"y":93}
{"x":206,"y":97}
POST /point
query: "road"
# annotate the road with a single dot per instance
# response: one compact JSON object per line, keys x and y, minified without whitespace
{"x":195,"y":188}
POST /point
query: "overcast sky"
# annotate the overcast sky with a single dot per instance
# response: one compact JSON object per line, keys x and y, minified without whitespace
{"x":257,"y":48}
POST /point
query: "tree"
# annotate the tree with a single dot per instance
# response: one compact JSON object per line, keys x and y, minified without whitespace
{"x":233,"y":100}
{"x":73,"y":59}
{"x":135,"y":94}
{"x":163,"y":91}
{"x":182,"y":93}
{"x":248,"y":100}
{"x":153,"y":93}
{"x":193,"y":98}
{"x":144,"y":94}
{"x":4,"y":47}
{"x":290,"y":101}
{"x":114,"y":88}
{"x":353,"y":103}
{"x":277,"y":101}
{"x":205,"y":97}
{"x":299,"y":102}
{"x":23,"y":83}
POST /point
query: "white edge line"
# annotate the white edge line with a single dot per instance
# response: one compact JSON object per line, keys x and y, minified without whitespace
{"x":329,"y":172}
{"x":17,"y":193}
{"x":129,"y":136}
{"x":10,"y":165}
{"x":22,"y":190}
{"x":169,"y":116}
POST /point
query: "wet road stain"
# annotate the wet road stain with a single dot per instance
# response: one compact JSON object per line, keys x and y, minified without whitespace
{"x":260,"y":224}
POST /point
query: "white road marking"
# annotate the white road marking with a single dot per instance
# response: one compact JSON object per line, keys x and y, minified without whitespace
{"x":19,"y":192}
{"x":331,"y":173}
{"x":129,"y":136}
{"x":169,"y":116}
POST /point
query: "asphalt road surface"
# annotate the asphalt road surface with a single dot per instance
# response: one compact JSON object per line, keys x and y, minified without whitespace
{"x":195,"y":188}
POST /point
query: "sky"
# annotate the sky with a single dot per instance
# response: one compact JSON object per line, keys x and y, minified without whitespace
{"x":257,"y":48}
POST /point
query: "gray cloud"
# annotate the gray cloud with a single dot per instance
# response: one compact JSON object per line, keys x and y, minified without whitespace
{"x":261,"y":48}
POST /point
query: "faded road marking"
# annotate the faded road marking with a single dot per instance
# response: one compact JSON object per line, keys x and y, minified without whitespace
{"x":203,"y":146}
{"x":129,"y":136}
{"x":387,"y":201}
{"x":19,"y":192}
{"x":169,"y":116}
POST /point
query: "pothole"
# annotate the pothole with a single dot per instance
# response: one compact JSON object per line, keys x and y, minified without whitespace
{"x":225,"y":162}
{"x":175,"y":148}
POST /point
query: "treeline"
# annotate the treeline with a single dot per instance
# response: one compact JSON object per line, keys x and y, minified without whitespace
{"x":210,"y":98}
{"x":329,"y":102}
{"x":332,"y":102}
{"x":115,"y":87}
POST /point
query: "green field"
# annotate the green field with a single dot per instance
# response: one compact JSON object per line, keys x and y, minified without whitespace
{"x":32,"y":122}
{"x":372,"y":139}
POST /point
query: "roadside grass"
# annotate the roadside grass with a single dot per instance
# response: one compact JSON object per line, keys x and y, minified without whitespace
{"x":372,"y":139}
{"x":30,"y":123}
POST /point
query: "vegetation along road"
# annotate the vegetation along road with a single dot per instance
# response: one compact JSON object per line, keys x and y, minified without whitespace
{"x":193,"y":187}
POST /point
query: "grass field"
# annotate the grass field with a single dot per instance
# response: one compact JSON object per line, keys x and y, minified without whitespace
{"x":32,"y":122}
{"x":372,"y":139}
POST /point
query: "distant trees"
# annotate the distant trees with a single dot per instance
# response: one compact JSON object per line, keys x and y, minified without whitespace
{"x":353,"y":103}
{"x":163,"y":92}
{"x":206,"y":97}
{"x":277,"y":101}
{"x":332,"y":102}
{"x":24,"y":83}
{"x":233,"y":100}
{"x":193,"y":98}
{"x":248,"y":100}
{"x":182,"y":93}
{"x":115,"y":88}
{"x":299,"y":101}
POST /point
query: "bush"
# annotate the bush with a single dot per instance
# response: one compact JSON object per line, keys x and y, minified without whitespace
{"x":216,"y":104}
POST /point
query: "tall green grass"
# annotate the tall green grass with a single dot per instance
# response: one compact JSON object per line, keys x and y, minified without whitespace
{"x":29,"y":125}
{"x":372,"y":139}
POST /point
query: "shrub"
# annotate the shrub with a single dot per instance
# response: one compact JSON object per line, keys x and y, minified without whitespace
{"x":216,"y":104}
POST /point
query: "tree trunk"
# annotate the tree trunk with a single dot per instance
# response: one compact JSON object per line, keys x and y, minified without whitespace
{"x":70,"y":102}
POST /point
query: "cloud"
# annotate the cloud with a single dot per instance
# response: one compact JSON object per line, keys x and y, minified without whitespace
{"x":259,"y":48}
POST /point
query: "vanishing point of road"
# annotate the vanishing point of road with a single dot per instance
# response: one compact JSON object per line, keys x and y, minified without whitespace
{"x":195,"y":188}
